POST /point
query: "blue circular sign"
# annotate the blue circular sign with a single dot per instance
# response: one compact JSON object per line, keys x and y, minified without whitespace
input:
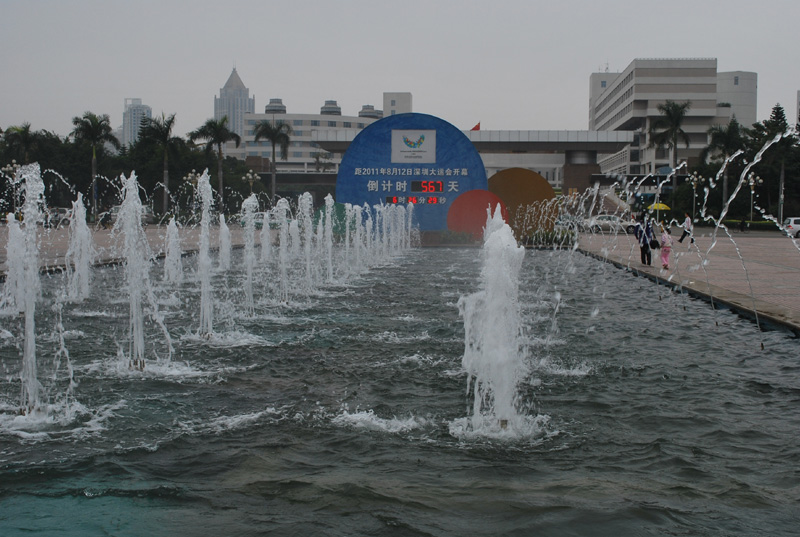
{"x":411,"y":159}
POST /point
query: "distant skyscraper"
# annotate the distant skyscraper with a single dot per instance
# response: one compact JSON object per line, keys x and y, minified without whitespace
{"x":132,"y":117}
{"x":234,"y":101}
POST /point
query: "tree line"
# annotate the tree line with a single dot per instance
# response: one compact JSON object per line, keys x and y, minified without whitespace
{"x":778,"y":169}
{"x":91,"y":159}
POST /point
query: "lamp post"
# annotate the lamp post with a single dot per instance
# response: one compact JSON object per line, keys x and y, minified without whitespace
{"x":250,"y":178}
{"x":695,"y":179}
{"x":10,"y":171}
{"x":753,"y":180}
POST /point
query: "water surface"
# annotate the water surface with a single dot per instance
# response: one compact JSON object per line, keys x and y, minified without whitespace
{"x":337,"y":414}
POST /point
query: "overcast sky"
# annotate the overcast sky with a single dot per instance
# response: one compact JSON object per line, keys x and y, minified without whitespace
{"x":519,"y":64}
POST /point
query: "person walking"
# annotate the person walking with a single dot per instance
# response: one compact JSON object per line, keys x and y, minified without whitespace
{"x":644,"y":234}
{"x":687,"y":229}
{"x":666,"y":246}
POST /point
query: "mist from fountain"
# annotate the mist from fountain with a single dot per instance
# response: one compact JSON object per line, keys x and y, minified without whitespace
{"x":305,"y":206}
{"x":224,"y":245}
{"x":173,"y":266}
{"x":327,"y":236}
{"x":12,"y":298}
{"x":249,"y":209}
{"x":32,"y":215}
{"x":493,"y":357}
{"x":266,"y":238}
{"x":137,"y":259}
{"x":80,"y":253}
{"x":206,"y":327}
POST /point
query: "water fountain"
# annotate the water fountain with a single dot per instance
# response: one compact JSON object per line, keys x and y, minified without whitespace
{"x":321,"y":398}
{"x":249,"y":209}
{"x":32,"y":214}
{"x":173,"y":267}
{"x":13,"y":295}
{"x":224,"y":244}
{"x":137,"y":258}
{"x":206,"y":327}
{"x":80,"y":254}
{"x":493,"y":357}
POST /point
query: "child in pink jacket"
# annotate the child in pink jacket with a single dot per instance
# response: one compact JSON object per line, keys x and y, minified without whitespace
{"x":666,"y":246}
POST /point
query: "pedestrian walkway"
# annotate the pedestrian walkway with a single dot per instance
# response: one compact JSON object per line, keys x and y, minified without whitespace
{"x":756,"y":273}
{"x":54,"y":243}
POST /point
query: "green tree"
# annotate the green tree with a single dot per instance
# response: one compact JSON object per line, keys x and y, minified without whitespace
{"x":216,"y":134}
{"x":724,"y":142}
{"x":158,"y":131}
{"x":95,"y":131}
{"x":667,"y":131}
{"x":779,"y":152}
{"x":21,"y":140}
{"x":279,"y":134}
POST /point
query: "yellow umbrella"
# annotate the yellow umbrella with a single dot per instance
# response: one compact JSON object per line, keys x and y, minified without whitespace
{"x":659,"y":207}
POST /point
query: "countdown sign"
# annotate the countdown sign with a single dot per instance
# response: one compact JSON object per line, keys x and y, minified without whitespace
{"x":412,"y":159}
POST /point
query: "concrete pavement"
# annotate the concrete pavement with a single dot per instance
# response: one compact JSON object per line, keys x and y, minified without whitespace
{"x":55,"y":242}
{"x":755,"y":273}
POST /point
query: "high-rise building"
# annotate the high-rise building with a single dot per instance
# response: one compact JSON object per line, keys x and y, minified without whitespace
{"x":629,"y":101}
{"x":234,"y":101}
{"x":132,"y":118}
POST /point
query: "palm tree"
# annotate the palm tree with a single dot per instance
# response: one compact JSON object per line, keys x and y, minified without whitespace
{"x":216,"y":133}
{"x":21,"y":139}
{"x":278,"y":134}
{"x":668,"y":130}
{"x":725,"y":140}
{"x":94,"y":130}
{"x":159,"y":132}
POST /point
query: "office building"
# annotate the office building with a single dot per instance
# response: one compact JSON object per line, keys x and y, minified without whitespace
{"x":234,"y":101}
{"x":132,"y":117}
{"x":303,"y":155}
{"x":629,"y":100}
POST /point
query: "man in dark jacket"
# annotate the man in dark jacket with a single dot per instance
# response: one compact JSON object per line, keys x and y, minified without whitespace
{"x":644,"y":234}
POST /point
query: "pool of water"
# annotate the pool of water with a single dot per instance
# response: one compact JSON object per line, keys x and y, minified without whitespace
{"x":338,"y":414}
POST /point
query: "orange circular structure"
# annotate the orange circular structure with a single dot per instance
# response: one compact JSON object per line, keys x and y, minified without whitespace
{"x":526,"y":195}
{"x":468,"y":212}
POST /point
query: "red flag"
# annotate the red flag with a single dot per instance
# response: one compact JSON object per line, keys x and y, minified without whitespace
{"x":476,"y":127}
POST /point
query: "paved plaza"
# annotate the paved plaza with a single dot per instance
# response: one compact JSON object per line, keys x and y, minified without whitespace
{"x":750,"y":272}
{"x":756,"y":271}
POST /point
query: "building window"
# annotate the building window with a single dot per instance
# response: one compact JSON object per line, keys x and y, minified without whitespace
{"x":602,"y":83}
{"x":331,"y":123}
{"x":347,"y":125}
{"x":736,"y":81}
{"x":297,"y":154}
{"x":297,"y":122}
{"x":315,"y":123}
{"x":360,"y":125}
{"x":394,"y":103}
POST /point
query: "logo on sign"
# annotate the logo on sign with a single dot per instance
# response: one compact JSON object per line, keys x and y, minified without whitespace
{"x":414,"y":146}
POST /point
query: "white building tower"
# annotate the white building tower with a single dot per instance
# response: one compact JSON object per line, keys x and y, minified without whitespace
{"x":234,"y":101}
{"x":132,"y":118}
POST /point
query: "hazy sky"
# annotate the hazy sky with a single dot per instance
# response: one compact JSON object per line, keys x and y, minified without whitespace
{"x":519,"y":64}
